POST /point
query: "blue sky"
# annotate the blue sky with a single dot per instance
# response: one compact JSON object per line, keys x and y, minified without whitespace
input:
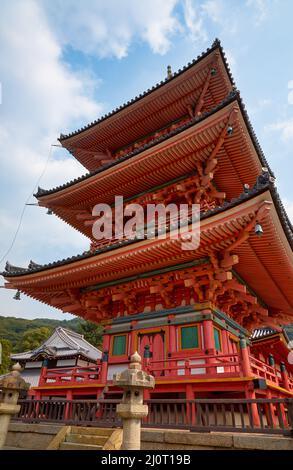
{"x":63,"y":63}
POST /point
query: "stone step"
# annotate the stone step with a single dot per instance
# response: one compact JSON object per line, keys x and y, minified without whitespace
{"x":86,"y":439}
{"x":91,"y":431}
{"x":75,"y":446}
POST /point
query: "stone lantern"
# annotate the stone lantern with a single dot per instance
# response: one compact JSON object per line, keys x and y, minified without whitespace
{"x":133,"y":381}
{"x":10,"y":386}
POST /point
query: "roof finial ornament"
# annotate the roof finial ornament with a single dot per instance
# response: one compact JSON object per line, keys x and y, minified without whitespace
{"x":169,"y":72}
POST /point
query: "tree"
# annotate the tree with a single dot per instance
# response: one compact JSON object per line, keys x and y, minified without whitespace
{"x":6,"y":351}
{"x":33,"y":338}
{"x":91,"y":332}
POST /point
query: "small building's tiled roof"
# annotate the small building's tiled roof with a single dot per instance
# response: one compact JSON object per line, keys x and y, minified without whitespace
{"x":62,"y":343}
{"x":262,"y":332}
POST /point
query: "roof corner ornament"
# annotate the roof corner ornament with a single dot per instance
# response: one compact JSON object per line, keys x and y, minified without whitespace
{"x":169,"y":72}
{"x":264,"y":179}
{"x":33,"y":265}
{"x":216,"y":42}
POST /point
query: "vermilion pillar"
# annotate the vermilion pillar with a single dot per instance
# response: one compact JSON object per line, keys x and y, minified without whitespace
{"x":246,"y":367}
{"x":209,"y":345}
{"x":105,"y":358}
{"x":284,"y":375}
{"x":132,"y":339}
{"x":172,"y":346}
{"x":44,"y":369}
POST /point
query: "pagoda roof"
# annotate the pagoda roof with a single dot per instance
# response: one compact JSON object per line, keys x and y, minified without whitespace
{"x":265,"y":264}
{"x":234,"y":95}
{"x":164,"y":102}
{"x":62,"y":343}
{"x":241,"y":158}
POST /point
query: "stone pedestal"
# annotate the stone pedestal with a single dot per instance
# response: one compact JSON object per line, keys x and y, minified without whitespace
{"x":10,"y":386}
{"x":131,"y":409}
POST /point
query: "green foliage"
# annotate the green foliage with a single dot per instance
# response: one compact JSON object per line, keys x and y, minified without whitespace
{"x":91,"y":332}
{"x":6,"y":351}
{"x":33,"y":338}
{"x":13,"y":329}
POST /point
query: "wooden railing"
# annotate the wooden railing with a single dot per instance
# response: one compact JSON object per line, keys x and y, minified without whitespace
{"x":202,"y":365}
{"x":85,"y":412}
{"x":65,"y":375}
{"x":263,"y":370}
{"x":237,"y":415}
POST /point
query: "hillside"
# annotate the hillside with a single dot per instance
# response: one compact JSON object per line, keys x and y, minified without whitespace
{"x":12,"y":328}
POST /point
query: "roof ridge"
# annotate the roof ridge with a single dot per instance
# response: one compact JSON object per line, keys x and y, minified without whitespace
{"x":67,"y":339}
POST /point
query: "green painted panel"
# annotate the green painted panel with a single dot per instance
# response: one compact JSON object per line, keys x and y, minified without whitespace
{"x":217,"y":339}
{"x":119,"y":345}
{"x":189,"y":337}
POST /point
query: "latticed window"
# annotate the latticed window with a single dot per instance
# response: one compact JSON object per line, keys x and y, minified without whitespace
{"x":119,"y":345}
{"x":189,"y":337}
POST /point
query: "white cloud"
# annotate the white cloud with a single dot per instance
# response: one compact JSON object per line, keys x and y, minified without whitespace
{"x":285,"y":128}
{"x":41,"y":96}
{"x":260,"y":10}
{"x":194,"y":22}
{"x":107,"y":28}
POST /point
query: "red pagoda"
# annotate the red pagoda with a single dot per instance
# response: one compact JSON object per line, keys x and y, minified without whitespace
{"x":189,"y":313}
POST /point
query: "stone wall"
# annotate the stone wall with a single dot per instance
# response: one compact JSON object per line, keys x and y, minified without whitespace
{"x":30,"y":436}
{"x":155,"y":439}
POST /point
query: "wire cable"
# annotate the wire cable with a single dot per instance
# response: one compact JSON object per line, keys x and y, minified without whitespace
{"x":25,"y":205}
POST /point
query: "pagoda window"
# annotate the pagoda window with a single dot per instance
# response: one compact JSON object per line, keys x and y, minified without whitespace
{"x":217,"y":339}
{"x":189,"y":337}
{"x":119,"y":345}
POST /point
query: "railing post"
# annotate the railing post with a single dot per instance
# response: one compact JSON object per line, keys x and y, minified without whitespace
{"x":43,"y":373}
{"x":104,"y":367}
{"x":146,"y":357}
{"x":284,"y":375}
{"x":246,"y":367}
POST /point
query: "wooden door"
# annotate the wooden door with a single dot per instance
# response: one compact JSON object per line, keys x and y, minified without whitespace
{"x":156,"y":343}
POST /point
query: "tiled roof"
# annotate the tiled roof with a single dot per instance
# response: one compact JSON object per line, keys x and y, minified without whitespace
{"x":216,"y":44}
{"x":262,"y":332}
{"x":263,"y":183}
{"x":233,"y":96}
{"x":62,"y":343}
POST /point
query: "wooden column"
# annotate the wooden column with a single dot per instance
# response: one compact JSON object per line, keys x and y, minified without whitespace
{"x":284,"y":375}
{"x":209,"y":345}
{"x":105,"y":358}
{"x":44,"y":369}
{"x":246,"y":368}
{"x":190,"y":407}
{"x":132,"y":339}
{"x":68,"y":405}
{"x":171,"y":346}
{"x":250,"y":395}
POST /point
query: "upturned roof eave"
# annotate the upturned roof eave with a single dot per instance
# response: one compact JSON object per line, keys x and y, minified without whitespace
{"x":285,"y":223}
{"x":65,"y":138}
{"x":234,"y":96}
